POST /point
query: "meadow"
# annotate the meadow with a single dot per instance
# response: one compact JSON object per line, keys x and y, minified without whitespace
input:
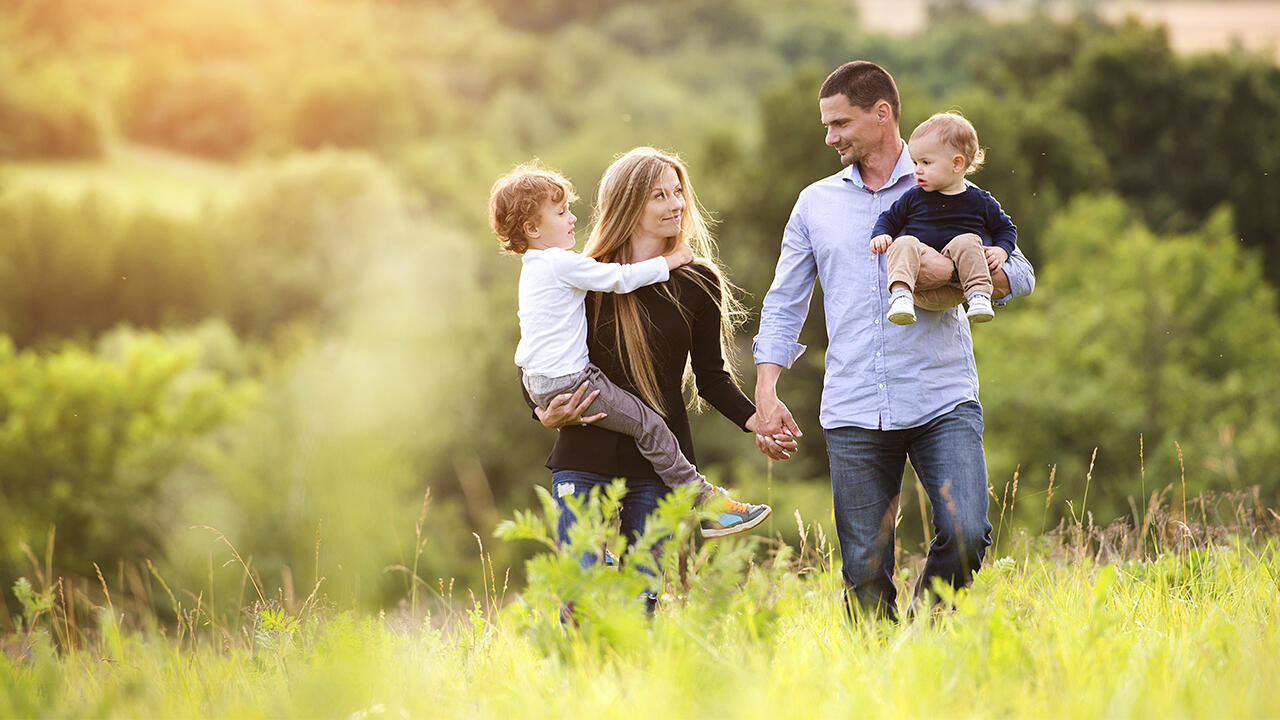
{"x":1176,"y":619}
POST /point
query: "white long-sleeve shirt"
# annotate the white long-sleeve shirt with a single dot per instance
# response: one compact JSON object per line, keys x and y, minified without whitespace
{"x":553,"y":315}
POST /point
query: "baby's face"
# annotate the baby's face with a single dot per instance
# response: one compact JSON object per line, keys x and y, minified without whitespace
{"x":939,"y":168}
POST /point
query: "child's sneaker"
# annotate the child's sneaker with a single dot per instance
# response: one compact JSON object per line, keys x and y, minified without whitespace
{"x":980,"y":308}
{"x":731,"y":517}
{"x":902,"y":309}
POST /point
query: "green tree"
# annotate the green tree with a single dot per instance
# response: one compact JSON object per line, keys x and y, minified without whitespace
{"x":1183,"y":136}
{"x":87,"y":440}
{"x":75,"y":269}
{"x":1130,"y":334}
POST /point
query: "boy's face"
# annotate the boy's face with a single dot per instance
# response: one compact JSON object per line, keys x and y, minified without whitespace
{"x":554,"y":226}
{"x":939,"y":168}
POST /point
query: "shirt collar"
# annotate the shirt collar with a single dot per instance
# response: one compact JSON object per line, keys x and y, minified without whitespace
{"x":903,"y":167}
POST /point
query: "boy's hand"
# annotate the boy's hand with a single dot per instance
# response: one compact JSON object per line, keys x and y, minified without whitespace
{"x":995,"y":256}
{"x":682,"y":255}
{"x":881,"y":243}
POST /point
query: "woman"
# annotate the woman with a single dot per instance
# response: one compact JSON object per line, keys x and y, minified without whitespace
{"x":644,"y":340}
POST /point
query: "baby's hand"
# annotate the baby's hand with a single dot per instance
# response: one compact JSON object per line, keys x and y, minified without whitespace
{"x":881,"y":243}
{"x":682,"y":255}
{"x":996,"y":256}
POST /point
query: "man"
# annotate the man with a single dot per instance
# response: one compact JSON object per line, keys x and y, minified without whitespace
{"x":890,"y":392}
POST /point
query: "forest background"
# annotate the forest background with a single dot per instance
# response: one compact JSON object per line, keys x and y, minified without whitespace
{"x":246,"y":280}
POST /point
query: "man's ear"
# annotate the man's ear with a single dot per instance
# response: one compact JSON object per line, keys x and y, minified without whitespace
{"x":530,"y":229}
{"x":884,"y":113}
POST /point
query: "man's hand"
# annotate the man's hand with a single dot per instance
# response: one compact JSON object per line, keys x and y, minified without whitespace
{"x":774,"y":424}
{"x":777,"y":447}
{"x":567,"y":408}
{"x":881,"y":243}
{"x":996,"y":256}
{"x":936,"y":270}
{"x":681,"y":255}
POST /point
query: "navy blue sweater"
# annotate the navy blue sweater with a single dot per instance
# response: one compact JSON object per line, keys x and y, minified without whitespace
{"x":935,"y":219}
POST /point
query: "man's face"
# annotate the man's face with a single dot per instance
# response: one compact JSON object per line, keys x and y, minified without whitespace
{"x":851,"y":130}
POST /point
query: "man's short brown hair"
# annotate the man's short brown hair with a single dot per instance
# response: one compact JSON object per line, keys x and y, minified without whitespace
{"x":517,"y":197}
{"x":864,"y":84}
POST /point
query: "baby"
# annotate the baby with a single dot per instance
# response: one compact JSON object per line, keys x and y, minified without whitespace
{"x":949,"y":214}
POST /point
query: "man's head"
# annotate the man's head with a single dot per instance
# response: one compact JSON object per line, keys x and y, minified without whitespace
{"x":860,"y":107}
{"x":529,"y":202}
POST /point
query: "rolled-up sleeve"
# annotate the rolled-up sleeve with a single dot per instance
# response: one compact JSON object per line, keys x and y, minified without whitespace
{"x":1022,"y":277}
{"x":786,"y":305}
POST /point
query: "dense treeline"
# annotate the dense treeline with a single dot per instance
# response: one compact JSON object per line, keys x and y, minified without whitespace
{"x":346,"y":298}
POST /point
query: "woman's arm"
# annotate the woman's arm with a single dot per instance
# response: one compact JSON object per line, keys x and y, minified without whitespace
{"x":714,"y":383}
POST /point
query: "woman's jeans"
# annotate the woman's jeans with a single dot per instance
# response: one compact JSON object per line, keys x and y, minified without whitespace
{"x":641,"y":499}
{"x":866,"y":479}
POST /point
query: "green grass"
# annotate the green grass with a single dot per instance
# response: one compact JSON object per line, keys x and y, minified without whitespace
{"x":135,"y":176}
{"x":754,"y":630}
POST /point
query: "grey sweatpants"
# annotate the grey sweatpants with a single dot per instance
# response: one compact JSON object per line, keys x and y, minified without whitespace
{"x":627,"y":414}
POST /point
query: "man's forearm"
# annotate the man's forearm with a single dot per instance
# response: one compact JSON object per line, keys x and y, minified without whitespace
{"x":767,"y":381}
{"x":999,"y":283}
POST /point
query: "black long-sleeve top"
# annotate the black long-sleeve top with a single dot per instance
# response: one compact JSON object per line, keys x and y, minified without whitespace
{"x":934,"y":219}
{"x":672,"y":338}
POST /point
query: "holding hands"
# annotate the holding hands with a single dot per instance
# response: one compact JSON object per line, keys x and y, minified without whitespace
{"x":881,"y":243}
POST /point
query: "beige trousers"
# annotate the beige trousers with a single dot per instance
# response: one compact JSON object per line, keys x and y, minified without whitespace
{"x":964,"y":250}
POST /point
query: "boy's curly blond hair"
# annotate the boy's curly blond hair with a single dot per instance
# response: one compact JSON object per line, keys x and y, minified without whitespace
{"x":517,"y":197}
{"x":957,"y":133}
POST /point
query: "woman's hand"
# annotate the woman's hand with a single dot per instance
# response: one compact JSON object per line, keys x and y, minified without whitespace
{"x":777,"y":447}
{"x":567,"y":408}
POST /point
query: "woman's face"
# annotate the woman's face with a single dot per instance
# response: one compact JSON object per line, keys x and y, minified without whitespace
{"x":663,"y":210}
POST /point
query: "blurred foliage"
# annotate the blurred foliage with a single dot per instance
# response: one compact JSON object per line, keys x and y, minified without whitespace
{"x":87,"y":439}
{"x":1158,"y":351}
{"x":361,"y":290}
{"x":44,"y":110}
{"x":207,"y":109}
{"x":349,"y":106}
{"x":77,"y":269}
{"x":295,"y":234}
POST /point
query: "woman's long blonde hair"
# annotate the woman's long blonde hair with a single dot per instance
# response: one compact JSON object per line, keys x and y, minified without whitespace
{"x":624,"y":193}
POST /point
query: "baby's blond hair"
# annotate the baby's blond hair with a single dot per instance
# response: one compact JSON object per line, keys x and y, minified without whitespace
{"x":957,"y":133}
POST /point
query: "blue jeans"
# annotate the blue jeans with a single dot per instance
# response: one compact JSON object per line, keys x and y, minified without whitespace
{"x":866,"y":480}
{"x":641,"y":499}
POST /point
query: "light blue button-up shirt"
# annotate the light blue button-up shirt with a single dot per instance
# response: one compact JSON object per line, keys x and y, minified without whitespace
{"x":878,"y":375}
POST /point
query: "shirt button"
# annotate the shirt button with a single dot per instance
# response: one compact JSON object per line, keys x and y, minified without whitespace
{"x":877,"y":322}
{"x":877,"y":354}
